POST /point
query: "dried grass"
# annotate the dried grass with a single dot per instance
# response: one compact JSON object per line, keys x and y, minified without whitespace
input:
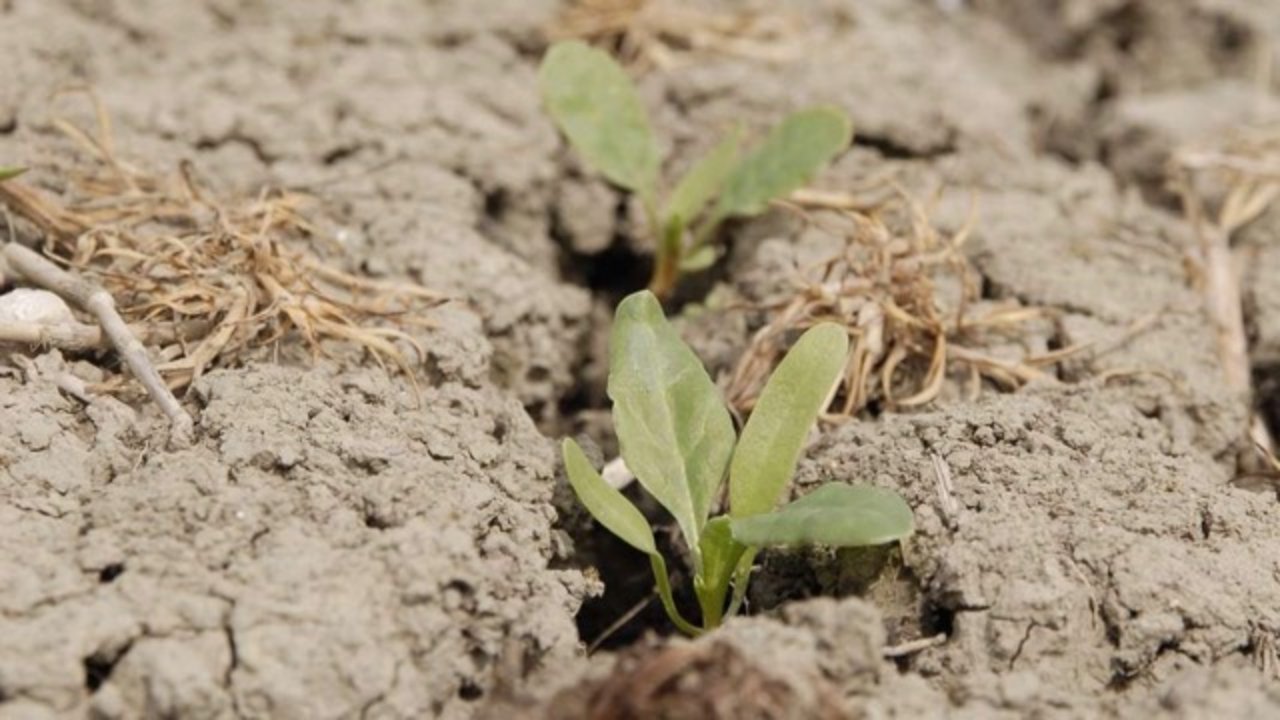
{"x":646,"y":34}
{"x":1224,"y":185}
{"x":214,"y":279}
{"x":883,"y":287}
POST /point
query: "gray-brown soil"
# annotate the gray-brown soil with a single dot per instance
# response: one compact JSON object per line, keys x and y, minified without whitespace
{"x":337,"y":545}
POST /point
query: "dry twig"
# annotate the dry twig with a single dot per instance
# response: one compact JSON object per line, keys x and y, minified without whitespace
{"x":915,"y":646}
{"x":98,"y":303}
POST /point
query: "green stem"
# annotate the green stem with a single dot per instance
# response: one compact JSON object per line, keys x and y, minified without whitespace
{"x":741,"y":578}
{"x":666,"y":263}
{"x":669,"y":601}
{"x":711,"y":601}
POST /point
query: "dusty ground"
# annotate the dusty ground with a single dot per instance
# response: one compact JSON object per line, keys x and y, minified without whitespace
{"x":337,"y":546}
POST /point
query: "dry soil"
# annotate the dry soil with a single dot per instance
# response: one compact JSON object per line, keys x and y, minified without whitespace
{"x":338,"y":545}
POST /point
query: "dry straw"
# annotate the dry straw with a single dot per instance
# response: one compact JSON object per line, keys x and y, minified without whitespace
{"x":201,"y":280}
{"x":883,"y":287}
{"x":1225,"y":185}
{"x":646,"y":34}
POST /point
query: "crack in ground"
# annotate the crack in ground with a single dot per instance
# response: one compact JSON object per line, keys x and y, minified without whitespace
{"x":1026,"y":635}
{"x":237,"y":137}
{"x":228,"y":676}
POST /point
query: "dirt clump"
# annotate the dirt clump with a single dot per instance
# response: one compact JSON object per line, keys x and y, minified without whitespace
{"x":325,"y":551}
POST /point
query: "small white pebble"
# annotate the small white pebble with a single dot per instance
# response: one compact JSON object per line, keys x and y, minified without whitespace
{"x":34,"y":306}
{"x":617,"y":474}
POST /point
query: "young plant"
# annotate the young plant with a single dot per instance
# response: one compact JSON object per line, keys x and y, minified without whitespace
{"x":8,"y":173}
{"x":594,"y":103}
{"x":678,"y":439}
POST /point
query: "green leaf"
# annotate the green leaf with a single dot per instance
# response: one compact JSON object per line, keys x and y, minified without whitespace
{"x":605,"y":503}
{"x":595,"y":105}
{"x":611,"y":509}
{"x":790,"y":402}
{"x":7,"y":173}
{"x":720,"y":555}
{"x":835,"y":514}
{"x":700,"y":259}
{"x":789,"y":157}
{"x":675,"y":433}
{"x":705,"y":178}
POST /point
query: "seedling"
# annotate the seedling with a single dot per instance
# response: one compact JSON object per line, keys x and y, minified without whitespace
{"x":678,"y":439}
{"x":594,"y":103}
{"x":7,"y":173}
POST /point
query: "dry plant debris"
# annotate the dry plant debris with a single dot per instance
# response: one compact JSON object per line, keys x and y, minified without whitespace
{"x":883,"y":287}
{"x":202,"y":281}
{"x":1224,"y":186}
{"x":648,"y":34}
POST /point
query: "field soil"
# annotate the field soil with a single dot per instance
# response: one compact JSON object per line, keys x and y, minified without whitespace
{"x":341,"y":542}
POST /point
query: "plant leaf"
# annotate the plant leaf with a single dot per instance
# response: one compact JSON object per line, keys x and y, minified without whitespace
{"x":605,"y":503}
{"x":672,"y":425}
{"x":7,"y":173}
{"x":700,"y":259}
{"x":705,"y":178}
{"x":789,"y":157}
{"x":611,"y":509}
{"x":790,"y":402}
{"x":720,"y":555}
{"x":835,"y":514}
{"x":595,"y":105}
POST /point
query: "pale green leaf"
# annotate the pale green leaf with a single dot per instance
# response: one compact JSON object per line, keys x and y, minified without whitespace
{"x":720,"y":555}
{"x":790,"y":402}
{"x":674,"y":431}
{"x":835,"y":514}
{"x":7,"y":173}
{"x":614,"y":511}
{"x":668,"y":598}
{"x":789,"y":157}
{"x":605,"y":503}
{"x":704,"y":179}
{"x":700,"y":259}
{"x":595,"y":105}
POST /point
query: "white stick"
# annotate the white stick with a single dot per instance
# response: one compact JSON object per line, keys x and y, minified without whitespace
{"x":96,"y":301}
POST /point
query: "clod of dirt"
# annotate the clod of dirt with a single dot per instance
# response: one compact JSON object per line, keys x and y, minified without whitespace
{"x":331,"y":549}
{"x":1222,"y":691}
{"x":900,"y":109}
{"x":1144,"y":45}
{"x":536,"y":325}
{"x":820,"y":659}
{"x":1090,"y":552}
{"x":1141,"y":132}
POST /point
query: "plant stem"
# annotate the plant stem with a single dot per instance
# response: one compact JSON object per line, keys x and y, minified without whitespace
{"x":711,"y":601}
{"x":668,"y":601}
{"x":741,"y":577}
{"x":666,"y":263}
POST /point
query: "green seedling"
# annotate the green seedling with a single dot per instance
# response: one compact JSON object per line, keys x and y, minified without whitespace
{"x":678,"y":439}
{"x":8,"y":173}
{"x":595,"y":104}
